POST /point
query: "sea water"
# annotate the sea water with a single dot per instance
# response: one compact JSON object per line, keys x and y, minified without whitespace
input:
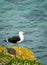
{"x":29,"y":16}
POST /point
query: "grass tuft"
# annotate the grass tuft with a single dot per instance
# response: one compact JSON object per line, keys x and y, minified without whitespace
{"x":8,"y":60}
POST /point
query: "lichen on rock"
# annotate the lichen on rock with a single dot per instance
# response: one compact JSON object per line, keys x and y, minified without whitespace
{"x":19,"y":52}
{"x":22,"y":53}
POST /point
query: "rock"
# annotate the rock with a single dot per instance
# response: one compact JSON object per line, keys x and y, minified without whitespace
{"x":2,"y":49}
{"x":21,"y":53}
{"x":18,"y":52}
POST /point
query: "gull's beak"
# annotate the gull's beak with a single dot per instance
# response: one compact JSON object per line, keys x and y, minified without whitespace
{"x":24,"y":32}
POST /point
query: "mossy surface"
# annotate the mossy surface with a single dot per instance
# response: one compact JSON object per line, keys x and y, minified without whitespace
{"x":22,"y":53}
{"x":9,"y":58}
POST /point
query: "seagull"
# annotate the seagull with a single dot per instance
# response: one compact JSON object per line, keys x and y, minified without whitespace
{"x":16,"y":39}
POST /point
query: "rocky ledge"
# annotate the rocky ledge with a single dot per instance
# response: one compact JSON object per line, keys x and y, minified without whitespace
{"x":14,"y":55}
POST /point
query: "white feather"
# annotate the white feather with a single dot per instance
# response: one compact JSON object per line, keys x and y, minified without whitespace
{"x":21,"y":37}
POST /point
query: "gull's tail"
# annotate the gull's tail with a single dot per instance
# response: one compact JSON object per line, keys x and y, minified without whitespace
{"x":5,"y":40}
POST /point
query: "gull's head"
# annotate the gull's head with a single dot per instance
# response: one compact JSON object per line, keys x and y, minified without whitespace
{"x":21,"y":33}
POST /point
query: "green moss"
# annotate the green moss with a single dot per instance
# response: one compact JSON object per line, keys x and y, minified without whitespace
{"x":8,"y":60}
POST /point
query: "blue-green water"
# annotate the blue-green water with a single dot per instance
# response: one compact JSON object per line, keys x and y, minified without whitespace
{"x":29,"y":16}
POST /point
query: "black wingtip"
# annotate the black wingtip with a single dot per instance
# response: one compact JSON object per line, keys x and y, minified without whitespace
{"x":5,"y":40}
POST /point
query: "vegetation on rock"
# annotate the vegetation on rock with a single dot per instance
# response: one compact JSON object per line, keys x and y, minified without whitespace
{"x":8,"y":59}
